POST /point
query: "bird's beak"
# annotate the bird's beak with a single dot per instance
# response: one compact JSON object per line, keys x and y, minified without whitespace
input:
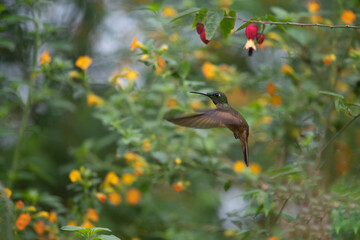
{"x":199,"y":93}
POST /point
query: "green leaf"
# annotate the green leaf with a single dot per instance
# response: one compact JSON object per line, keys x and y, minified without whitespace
{"x":71,"y":228}
{"x":332,"y":94}
{"x":185,"y":13}
{"x":337,"y":216}
{"x":213,"y":20}
{"x":243,"y":26}
{"x":280,"y":13}
{"x":99,"y":229}
{"x":7,"y":44}
{"x":272,"y":18}
{"x":200,"y":16}
{"x":267,"y":204}
{"x":227,"y":185}
{"x":284,"y":172}
{"x":228,"y":24}
{"x":107,"y":237}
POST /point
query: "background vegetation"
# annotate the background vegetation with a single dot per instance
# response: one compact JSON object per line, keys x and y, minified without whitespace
{"x":86,"y":87}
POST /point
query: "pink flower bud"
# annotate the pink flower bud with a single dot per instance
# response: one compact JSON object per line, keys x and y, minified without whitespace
{"x":199,"y":28}
{"x":203,"y":37}
{"x":251,"y":31}
{"x":260,"y":39}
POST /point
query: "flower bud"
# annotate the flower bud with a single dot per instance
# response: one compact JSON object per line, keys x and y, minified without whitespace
{"x":260,"y":38}
{"x":251,"y":31}
{"x":203,"y":37}
{"x":199,"y":28}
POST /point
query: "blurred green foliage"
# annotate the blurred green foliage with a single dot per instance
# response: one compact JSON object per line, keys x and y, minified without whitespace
{"x":84,"y":141}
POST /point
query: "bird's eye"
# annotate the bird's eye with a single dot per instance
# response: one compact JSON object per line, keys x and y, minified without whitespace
{"x":218,"y":95}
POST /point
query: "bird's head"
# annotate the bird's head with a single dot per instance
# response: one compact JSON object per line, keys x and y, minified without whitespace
{"x":217,"y":97}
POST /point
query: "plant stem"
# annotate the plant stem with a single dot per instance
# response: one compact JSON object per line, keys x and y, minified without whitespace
{"x":295,"y":23}
{"x":25,"y":117}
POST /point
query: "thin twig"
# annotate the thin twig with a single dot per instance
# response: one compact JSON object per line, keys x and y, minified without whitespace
{"x":295,"y":23}
{"x":336,"y":135}
{"x":282,"y":208}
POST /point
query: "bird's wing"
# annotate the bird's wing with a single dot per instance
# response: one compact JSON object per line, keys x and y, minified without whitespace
{"x":208,"y":119}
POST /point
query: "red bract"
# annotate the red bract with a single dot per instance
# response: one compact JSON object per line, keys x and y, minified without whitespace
{"x":260,"y":38}
{"x":203,"y":37}
{"x":251,"y":31}
{"x":199,"y":28}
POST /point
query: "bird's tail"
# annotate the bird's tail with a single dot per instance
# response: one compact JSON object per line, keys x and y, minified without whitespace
{"x":244,"y":145}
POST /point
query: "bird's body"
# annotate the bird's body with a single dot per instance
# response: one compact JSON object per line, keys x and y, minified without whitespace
{"x":224,"y":116}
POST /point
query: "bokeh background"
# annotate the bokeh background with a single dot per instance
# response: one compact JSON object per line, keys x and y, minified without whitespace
{"x":86,"y":87}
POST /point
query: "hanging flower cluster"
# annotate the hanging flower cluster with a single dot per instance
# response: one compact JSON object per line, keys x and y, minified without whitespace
{"x":251,"y":33}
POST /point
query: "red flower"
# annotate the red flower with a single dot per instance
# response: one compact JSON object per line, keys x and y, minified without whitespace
{"x":251,"y":32}
{"x":199,"y":28}
{"x":260,"y":38}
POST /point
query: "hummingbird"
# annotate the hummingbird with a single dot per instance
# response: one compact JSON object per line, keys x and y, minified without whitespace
{"x":224,"y":116}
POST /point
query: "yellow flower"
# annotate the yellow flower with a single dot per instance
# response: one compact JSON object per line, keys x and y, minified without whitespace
{"x":135,"y":238}
{"x":164,"y":48}
{"x":169,"y":12}
{"x":83,"y":62}
{"x":133,"y":196}
{"x":8,"y":192}
{"x":112,"y":178}
{"x":115,"y":198}
{"x":172,"y":103}
{"x":42,"y":214}
{"x":313,"y":6}
{"x":239,"y":166}
{"x":71,"y":223}
{"x":208,"y":69}
{"x":267,"y":119}
{"x":93,"y":99}
{"x":136,"y":44}
{"x":74,"y":74}
{"x":287,"y":69}
{"x":316,"y":19}
{"x":328,"y":59}
{"x":131,"y":75}
{"x":146,"y":145}
{"x":255,"y":168}
{"x":45,"y":58}
{"x":144,"y":57}
{"x":178,"y":161}
{"x":342,"y":87}
{"x":127,"y":179}
{"x":174,"y":37}
{"x":74,"y":175}
{"x":31,"y":209}
{"x":229,"y":233}
{"x":348,"y":16}
{"x":87,"y":224}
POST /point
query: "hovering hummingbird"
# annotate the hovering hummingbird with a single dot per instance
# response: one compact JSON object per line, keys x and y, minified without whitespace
{"x":224,"y":116}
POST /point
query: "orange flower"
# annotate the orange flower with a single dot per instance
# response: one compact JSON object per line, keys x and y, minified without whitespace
{"x":146,"y":145}
{"x":135,"y":238}
{"x":169,"y":12}
{"x":83,"y":62}
{"x":72,"y":223}
{"x":45,"y":58}
{"x":209,"y":70}
{"x":93,"y":99}
{"x":20,"y":204}
{"x":39,"y":227}
{"x":178,"y":186}
{"x":136,"y":44}
{"x":87,"y":224}
{"x":273,"y":238}
{"x":172,"y":103}
{"x":328,"y":59}
{"x":196,"y":105}
{"x":348,"y":16}
{"x":22,"y":221}
{"x":239,"y":166}
{"x":313,"y":6}
{"x":287,"y":69}
{"x":127,"y":179}
{"x":276,"y":100}
{"x":270,"y":88}
{"x":101,"y":196}
{"x":74,"y":175}
{"x":133,"y":196}
{"x":255,"y":168}
{"x":52,"y":217}
{"x":115,"y":198}
{"x":92,"y":215}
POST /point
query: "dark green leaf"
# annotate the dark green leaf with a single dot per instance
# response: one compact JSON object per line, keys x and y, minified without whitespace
{"x":227,"y":185}
{"x":228,"y":24}
{"x":272,"y":18}
{"x":243,"y":26}
{"x":213,"y":20}
{"x":7,"y":44}
{"x":99,"y":229}
{"x":185,"y":13}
